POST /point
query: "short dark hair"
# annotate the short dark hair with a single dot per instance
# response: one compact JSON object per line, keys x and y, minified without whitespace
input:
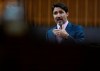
{"x":61,"y":5}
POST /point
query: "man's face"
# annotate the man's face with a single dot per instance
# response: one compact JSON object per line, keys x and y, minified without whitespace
{"x":60,"y":16}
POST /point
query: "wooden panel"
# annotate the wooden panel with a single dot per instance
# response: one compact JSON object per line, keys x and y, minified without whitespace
{"x":72,"y":10}
{"x":98,"y":12}
{"x":83,"y":12}
{"x":1,"y":7}
{"x":91,"y":12}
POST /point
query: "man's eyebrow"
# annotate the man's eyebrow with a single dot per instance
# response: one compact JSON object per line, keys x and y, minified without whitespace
{"x":60,"y":11}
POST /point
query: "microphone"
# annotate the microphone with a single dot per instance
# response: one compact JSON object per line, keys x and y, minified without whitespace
{"x":60,"y":24}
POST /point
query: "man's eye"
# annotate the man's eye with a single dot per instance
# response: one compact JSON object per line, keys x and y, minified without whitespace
{"x":55,"y":13}
{"x":61,"y":12}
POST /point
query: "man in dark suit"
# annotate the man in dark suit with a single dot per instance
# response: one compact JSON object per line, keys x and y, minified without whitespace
{"x":64,"y":31}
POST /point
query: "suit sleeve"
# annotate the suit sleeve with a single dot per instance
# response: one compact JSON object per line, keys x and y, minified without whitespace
{"x":79,"y":36}
{"x":47,"y":36}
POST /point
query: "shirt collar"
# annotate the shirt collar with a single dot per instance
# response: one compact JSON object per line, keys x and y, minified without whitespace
{"x":65,"y":25}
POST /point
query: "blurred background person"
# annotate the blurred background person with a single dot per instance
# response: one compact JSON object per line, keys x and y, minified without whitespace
{"x":15,"y":28}
{"x":14,"y":18}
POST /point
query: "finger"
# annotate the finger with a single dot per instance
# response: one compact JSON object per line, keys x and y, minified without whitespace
{"x":56,"y":29}
{"x":63,"y":27}
{"x":55,"y":32}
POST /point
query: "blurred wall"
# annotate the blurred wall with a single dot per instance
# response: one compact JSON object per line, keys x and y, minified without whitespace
{"x":83,"y":12}
{"x":1,"y":7}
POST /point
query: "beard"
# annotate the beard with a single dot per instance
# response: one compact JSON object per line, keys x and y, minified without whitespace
{"x":60,"y":21}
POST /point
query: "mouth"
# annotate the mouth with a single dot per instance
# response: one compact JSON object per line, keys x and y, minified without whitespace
{"x":59,"y":19}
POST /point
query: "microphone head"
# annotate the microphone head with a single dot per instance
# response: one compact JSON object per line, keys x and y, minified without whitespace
{"x":61,"y":23}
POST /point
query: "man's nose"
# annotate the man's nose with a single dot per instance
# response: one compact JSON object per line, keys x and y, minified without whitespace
{"x":58,"y":15}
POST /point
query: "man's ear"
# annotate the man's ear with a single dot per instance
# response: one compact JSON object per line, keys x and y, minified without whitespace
{"x":67,"y":14}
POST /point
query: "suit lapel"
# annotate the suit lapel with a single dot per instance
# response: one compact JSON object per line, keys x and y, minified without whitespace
{"x":68,"y":28}
{"x":53,"y":36}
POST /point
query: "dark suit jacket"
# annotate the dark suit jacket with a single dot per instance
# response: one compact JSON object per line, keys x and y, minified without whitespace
{"x":76,"y":34}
